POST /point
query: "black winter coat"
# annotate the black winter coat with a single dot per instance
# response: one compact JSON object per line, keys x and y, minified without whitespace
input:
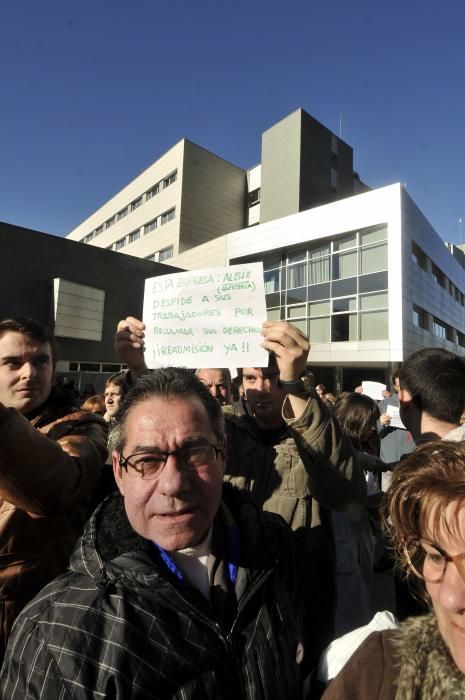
{"x":119,"y":625}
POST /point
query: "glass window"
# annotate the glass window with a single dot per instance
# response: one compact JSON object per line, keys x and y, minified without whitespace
{"x":347,"y":304}
{"x":296,"y":256}
{"x":442,"y":330}
{"x":319,"y":330}
{"x":150,"y":226}
{"x":253,"y":197}
{"x":318,"y":271}
{"x":272,"y":279}
{"x":297,"y":275}
{"x":460,"y":341}
{"x":121,"y":214}
{"x":293,"y":296}
{"x":373,"y":258}
{"x":152,"y":192}
{"x":120,"y":244}
{"x":374,"y":282}
{"x":438,"y":276}
{"x":134,"y":236}
{"x":319,"y":291}
{"x":345,"y":242}
{"x":419,"y":257}
{"x":273,"y":299}
{"x":166,"y":253}
{"x":320,"y":308}
{"x":374,"y":325}
{"x":344,"y":327}
{"x":344,"y":265}
{"x":373,"y":234}
{"x":319,"y":251}
{"x":301,"y":325}
{"x":170,"y":179}
{"x":73,"y":366}
{"x":273,"y":314}
{"x":419,"y":317}
{"x":167,"y":216}
{"x":373,"y":301}
{"x":343,"y":288}
{"x":297,"y":311}
{"x":110,"y":222}
{"x":89,"y":366}
{"x":136,"y":203}
{"x":98,"y":230}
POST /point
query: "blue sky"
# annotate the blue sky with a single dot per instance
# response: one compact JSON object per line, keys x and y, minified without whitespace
{"x":94,"y":91}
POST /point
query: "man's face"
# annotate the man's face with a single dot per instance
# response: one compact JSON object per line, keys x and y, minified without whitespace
{"x":113,"y":397}
{"x":217,"y":383}
{"x":177,"y":508}
{"x":264,"y":396}
{"x":26,"y":371}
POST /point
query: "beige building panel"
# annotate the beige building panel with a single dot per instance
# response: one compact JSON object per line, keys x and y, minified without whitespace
{"x":211,"y":254}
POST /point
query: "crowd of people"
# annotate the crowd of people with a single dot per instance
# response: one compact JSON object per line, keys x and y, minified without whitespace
{"x":192,"y":535}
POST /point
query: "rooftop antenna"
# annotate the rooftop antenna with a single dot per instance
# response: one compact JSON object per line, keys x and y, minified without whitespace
{"x":460,"y":229}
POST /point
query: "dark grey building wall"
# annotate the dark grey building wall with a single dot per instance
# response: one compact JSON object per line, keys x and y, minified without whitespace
{"x":30,"y":260}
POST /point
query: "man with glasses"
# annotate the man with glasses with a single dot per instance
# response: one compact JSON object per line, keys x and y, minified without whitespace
{"x":180,"y":587}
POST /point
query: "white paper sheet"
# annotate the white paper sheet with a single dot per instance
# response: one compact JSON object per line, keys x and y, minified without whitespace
{"x":374,"y":390}
{"x":394,"y":414}
{"x":206,"y":318}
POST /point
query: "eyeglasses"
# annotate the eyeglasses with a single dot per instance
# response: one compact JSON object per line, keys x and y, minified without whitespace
{"x":429,"y":563}
{"x":149,"y":465}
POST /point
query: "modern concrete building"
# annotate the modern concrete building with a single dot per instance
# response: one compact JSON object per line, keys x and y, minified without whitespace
{"x":366,"y":277}
{"x":362,"y":272}
{"x":190,"y":196}
{"x":79,"y":291}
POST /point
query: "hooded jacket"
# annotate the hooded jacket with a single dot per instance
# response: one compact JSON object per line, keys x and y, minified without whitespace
{"x":49,"y":467}
{"x":120,"y":625}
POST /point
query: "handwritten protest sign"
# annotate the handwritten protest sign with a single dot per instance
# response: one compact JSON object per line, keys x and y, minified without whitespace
{"x":206,"y":318}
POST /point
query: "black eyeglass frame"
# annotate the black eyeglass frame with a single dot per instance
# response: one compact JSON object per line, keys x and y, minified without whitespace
{"x":124,"y":462}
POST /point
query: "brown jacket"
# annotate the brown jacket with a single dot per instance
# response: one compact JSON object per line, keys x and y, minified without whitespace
{"x":49,"y":467}
{"x":410,"y":663}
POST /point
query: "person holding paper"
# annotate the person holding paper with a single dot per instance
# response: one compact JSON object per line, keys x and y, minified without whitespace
{"x":290,"y":454}
{"x":395,"y":441}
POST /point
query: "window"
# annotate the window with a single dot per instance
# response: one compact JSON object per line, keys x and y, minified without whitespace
{"x":320,"y":308}
{"x":442,"y":330}
{"x":168,"y":216}
{"x":134,"y":236}
{"x":167,"y":181}
{"x":438,"y":276}
{"x":98,"y":230}
{"x":272,"y":281}
{"x":318,"y":271}
{"x":120,"y":244}
{"x":110,"y":222}
{"x":344,"y":265}
{"x":419,"y":317}
{"x":253,"y":197}
{"x":347,"y":304}
{"x":273,"y":314}
{"x":373,"y":301}
{"x":151,"y":193}
{"x":345,"y":242}
{"x":151,"y":226}
{"x":343,"y":327}
{"x":165,"y":253}
{"x":374,"y":325}
{"x":373,"y":234}
{"x":136,"y":203}
{"x":418,"y":257}
{"x":121,"y":214}
{"x":297,"y":311}
{"x":297,"y":275}
{"x":319,"y":330}
{"x":373,"y":258}
{"x":460,"y":339}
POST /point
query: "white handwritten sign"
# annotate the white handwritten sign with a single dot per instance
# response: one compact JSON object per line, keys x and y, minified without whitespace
{"x":206,"y":318}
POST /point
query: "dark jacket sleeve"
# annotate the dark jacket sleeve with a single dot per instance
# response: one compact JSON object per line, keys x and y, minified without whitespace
{"x":368,"y":675}
{"x":45,"y":471}
{"x":335,"y":475}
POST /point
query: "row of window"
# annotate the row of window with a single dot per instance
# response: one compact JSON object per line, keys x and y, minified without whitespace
{"x":146,"y":228}
{"x":422,"y":319}
{"x":421,"y":259}
{"x":135,"y":204}
{"x":161,"y":255}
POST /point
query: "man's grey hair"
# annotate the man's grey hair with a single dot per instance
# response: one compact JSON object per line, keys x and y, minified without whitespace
{"x":166,"y":383}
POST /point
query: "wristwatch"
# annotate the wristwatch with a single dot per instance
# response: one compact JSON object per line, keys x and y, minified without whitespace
{"x":299,"y":387}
